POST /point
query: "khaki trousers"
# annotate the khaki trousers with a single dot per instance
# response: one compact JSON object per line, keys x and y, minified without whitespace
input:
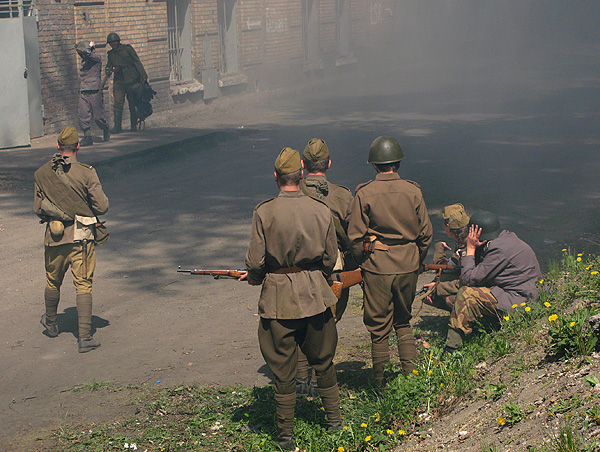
{"x":59,"y":258}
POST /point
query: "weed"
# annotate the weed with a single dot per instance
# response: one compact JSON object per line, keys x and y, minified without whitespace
{"x":571,"y":335}
{"x":494,"y":391}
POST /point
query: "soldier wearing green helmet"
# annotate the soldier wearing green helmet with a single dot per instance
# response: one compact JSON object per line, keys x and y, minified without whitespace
{"x":124,"y":63}
{"x":499,"y":273}
{"x":390,"y":233}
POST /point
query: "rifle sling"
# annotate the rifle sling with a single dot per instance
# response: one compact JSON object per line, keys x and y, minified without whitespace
{"x":61,"y":194}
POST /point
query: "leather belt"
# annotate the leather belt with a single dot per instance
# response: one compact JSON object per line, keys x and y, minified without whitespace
{"x":285,"y":270}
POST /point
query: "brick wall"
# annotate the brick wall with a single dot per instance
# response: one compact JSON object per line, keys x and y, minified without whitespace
{"x":270,"y":42}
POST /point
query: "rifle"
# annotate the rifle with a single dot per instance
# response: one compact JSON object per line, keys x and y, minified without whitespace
{"x":342,"y":280}
{"x":215,"y":273}
{"x":438,"y":267}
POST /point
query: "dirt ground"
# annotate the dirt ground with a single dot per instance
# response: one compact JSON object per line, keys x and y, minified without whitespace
{"x":157,"y":327}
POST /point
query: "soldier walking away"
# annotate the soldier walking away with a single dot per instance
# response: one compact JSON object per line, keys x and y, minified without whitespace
{"x":91,"y":102}
{"x":316,"y":162}
{"x":129,"y":73}
{"x":499,"y":272}
{"x":68,"y":198}
{"x":292,"y":248}
{"x":390,"y":233}
{"x":456,"y":226}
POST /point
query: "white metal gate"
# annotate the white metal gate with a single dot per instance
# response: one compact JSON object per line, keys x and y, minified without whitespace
{"x":20,"y":88}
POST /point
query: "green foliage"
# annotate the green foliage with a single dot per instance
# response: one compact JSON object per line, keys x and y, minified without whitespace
{"x":494,"y":391}
{"x":571,"y":335}
{"x":513,"y":413}
{"x":567,"y":440}
{"x":592,"y":380}
{"x":565,"y":405}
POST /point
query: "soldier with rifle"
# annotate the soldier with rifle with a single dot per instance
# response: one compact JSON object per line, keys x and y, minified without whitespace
{"x":390,"y":233}
{"x":442,"y":292}
{"x":68,"y":198}
{"x":316,"y":162}
{"x":293,"y":248}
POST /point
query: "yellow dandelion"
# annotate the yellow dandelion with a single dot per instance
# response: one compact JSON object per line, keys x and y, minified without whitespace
{"x":401,"y":432}
{"x":363,"y":425}
{"x":506,"y":317}
{"x":523,"y":304}
{"x":514,"y":306}
{"x":527,"y":309}
{"x":345,"y":427}
{"x":322,"y":408}
{"x":368,"y":438}
{"x":589,"y":267}
{"x":547,"y":304}
{"x":430,"y":372}
{"x":579,"y":254}
{"x":564,"y":250}
{"x":390,"y":432}
{"x":262,"y":443}
{"x":341,"y":449}
{"x":377,"y":417}
{"x":572,"y":324}
{"x":430,"y":355}
{"x":415,"y":371}
{"x":501,"y":421}
{"x":553,"y":318}
{"x":594,"y":272}
{"x":542,"y":281}
{"x":578,"y":259}
{"x":441,"y":385}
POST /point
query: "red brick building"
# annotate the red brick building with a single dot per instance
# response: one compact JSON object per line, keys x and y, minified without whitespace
{"x":195,"y":50}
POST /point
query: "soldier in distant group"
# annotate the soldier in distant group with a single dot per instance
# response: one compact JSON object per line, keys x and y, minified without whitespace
{"x":499,"y":272}
{"x":128,"y":72}
{"x":456,"y":226}
{"x":91,"y":103}
{"x":68,"y":198}
{"x":293,"y":248}
{"x":390,"y":233}
{"x":316,"y":162}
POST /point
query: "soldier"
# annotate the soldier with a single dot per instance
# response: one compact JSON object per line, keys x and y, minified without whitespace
{"x":316,"y":162}
{"x":390,"y":233}
{"x":91,"y":103}
{"x":292,"y":249}
{"x":499,"y":272}
{"x":128,"y":71}
{"x":456,"y":222}
{"x":68,"y":197}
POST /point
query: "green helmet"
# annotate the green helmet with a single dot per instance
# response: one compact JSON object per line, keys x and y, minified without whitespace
{"x":82,"y":45}
{"x":112,"y":37}
{"x":385,"y":150}
{"x":489,"y":224}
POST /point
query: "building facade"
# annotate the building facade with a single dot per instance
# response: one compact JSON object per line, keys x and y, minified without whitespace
{"x":195,"y":50}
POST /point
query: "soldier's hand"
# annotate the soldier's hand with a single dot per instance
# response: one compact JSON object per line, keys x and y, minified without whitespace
{"x":92,"y":44}
{"x":445,"y":245}
{"x":473,"y":239}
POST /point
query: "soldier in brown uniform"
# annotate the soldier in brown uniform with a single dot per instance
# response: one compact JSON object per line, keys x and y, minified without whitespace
{"x":316,"y":162}
{"x":446,"y":287}
{"x":68,"y":197}
{"x":390,"y":233}
{"x":292,"y":249}
{"x":129,"y":72}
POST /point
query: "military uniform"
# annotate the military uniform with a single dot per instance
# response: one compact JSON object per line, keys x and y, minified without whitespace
{"x":91,"y":102}
{"x":393,"y":211}
{"x":292,"y":247}
{"x":503,"y":273}
{"x":128,"y":73}
{"x":69,"y":235}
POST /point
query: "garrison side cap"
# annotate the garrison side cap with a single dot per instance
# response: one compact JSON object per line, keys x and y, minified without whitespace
{"x":455,"y":216}
{"x":316,"y":150}
{"x":288,"y":161}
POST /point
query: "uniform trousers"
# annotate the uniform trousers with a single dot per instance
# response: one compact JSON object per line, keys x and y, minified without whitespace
{"x":91,"y":104}
{"x":472,"y":303}
{"x":122,"y":90}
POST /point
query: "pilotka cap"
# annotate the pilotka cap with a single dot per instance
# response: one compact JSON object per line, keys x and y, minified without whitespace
{"x":288,"y":161}
{"x":68,"y":136}
{"x":316,"y":150}
{"x":455,"y":216}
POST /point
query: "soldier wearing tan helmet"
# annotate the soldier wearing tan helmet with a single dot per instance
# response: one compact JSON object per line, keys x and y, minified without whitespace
{"x":68,"y":198}
{"x":456,"y":222}
{"x":390,"y":233}
{"x":292,"y":246}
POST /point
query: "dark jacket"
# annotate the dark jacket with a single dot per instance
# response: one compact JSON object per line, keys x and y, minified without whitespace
{"x":508,"y":266}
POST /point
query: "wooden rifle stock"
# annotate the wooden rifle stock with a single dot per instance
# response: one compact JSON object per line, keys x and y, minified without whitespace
{"x":344,"y":280}
{"x":215,"y":273}
{"x":436,"y":267}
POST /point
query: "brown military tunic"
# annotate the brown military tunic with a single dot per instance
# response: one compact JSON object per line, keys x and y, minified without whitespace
{"x":292,"y":230}
{"x":337,"y":197}
{"x":84,"y":181}
{"x":392,"y":210}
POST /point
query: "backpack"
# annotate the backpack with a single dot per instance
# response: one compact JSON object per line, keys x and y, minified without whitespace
{"x":143,"y":108}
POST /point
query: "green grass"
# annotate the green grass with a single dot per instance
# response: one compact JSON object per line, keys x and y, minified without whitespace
{"x":210,"y":418}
